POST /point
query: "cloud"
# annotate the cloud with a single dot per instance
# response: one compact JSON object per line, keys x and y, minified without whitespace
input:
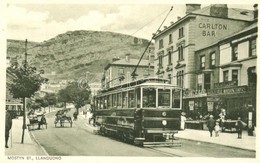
{"x":39,"y":23}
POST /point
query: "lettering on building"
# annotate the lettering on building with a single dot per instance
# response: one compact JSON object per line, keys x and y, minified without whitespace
{"x":209,"y":29}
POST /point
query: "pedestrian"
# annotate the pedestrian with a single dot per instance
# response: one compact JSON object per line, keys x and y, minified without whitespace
{"x":8,"y":126}
{"x":211,"y":124}
{"x":217,"y":129}
{"x":75,"y":115}
{"x":183,"y":120}
{"x":240,"y":125}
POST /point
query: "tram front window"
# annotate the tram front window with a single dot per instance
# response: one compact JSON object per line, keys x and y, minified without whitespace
{"x":149,"y":97}
{"x":164,"y":98}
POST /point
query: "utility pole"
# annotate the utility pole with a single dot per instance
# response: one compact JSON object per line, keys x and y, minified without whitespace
{"x":24,"y":98}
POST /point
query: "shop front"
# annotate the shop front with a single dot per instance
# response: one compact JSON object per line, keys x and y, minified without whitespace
{"x":237,"y":101}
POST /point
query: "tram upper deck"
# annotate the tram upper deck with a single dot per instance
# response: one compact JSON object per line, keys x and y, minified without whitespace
{"x":146,"y":93}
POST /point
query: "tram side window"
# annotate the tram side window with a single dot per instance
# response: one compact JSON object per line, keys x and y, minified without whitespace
{"x":131,"y":99}
{"x":119,"y":100}
{"x":124,"y":96}
{"x":138,"y":97}
{"x":176,"y":94}
{"x":105,"y":102}
{"x":109,"y":102}
{"x":163,"y":97}
{"x":149,"y":97}
{"x":101,"y":103}
{"x":114,"y":100}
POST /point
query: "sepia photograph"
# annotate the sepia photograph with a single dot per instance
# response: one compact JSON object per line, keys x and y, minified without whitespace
{"x":161,"y":80}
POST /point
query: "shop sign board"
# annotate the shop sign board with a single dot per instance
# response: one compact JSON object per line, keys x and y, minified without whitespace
{"x":226,"y":84}
{"x":210,"y":106}
{"x":234,"y":90}
{"x":194,"y":93}
{"x":191,"y":105}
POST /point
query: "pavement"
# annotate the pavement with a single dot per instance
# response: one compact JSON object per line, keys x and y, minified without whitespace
{"x":30,"y":147}
{"x":225,"y":138}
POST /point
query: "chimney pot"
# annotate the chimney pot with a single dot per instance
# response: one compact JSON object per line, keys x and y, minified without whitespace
{"x":178,"y":17}
{"x":127,"y":59}
{"x":255,"y":11}
{"x":192,"y":7}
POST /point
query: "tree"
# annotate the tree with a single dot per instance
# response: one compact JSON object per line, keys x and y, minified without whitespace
{"x":51,"y":99}
{"x":24,"y":84}
{"x":77,"y":95}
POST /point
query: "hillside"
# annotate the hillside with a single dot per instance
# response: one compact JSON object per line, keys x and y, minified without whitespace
{"x":72,"y":54}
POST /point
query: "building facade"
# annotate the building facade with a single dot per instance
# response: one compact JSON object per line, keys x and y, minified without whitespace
{"x":120,"y":70}
{"x":175,"y":45}
{"x":206,"y":52}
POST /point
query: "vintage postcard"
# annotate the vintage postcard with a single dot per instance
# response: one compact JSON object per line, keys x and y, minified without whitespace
{"x":124,"y":81}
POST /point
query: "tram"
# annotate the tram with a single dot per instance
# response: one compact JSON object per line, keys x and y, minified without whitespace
{"x":144,"y":112}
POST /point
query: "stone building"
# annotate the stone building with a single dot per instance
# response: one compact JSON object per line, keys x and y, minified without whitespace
{"x":176,"y":44}
{"x":120,"y":70}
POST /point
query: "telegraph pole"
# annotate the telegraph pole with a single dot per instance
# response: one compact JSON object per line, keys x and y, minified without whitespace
{"x":24,"y":98}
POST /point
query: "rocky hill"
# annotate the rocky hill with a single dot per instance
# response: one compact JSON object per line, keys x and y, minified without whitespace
{"x":72,"y":54}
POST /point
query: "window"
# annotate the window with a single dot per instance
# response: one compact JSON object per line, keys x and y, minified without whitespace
{"x":180,"y":78}
{"x":202,"y":62}
{"x":149,"y":97}
{"x":180,"y":53}
{"x":170,"y":78}
{"x":124,"y":99}
{"x":207,"y":80}
{"x":131,"y":99}
{"x":160,"y":61}
{"x":176,"y":103}
{"x":119,"y":99}
{"x":252,"y":47}
{"x":163,"y":97}
{"x":170,"y":38}
{"x":234,"y":75}
{"x":225,"y":76}
{"x":213,"y":59}
{"x":120,"y":71}
{"x":181,"y":32}
{"x":234,"y":53}
{"x":200,"y":77}
{"x":169,"y":58}
{"x":160,"y":43}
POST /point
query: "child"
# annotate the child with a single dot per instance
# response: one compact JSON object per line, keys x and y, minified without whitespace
{"x":217,"y":129}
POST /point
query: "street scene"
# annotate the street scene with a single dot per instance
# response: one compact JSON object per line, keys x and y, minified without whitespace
{"x":178,"y":82}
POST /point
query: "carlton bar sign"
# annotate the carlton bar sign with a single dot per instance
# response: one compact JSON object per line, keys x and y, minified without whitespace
{"x":209,"y":29}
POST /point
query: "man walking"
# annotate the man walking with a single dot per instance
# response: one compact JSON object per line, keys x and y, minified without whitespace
{"x":211,"y":124}
{"x":8,"y":126}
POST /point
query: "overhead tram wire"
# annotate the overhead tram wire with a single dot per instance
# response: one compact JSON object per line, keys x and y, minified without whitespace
{"x":134,"y":72}
{"x":149,"y":22}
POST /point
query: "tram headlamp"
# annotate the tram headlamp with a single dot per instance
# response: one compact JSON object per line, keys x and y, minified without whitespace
{"x":164,"y":113}
{"x":164,"y":122}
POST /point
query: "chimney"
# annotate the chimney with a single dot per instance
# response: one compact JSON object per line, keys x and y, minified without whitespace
{"x":192,"y":7}
{"x":115,"y":59}
{"x":219,"y":10}
{"x":255,"y":11}
{"x":127,"y":59}
{"x":178,"y":17}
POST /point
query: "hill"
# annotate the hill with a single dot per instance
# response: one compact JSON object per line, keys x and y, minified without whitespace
{"x":70,"y":55}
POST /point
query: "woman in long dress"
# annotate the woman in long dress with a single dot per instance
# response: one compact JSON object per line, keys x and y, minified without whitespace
{"x":183,"y":119}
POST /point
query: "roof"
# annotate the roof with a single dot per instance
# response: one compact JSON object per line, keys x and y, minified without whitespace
{"x":131,"y":62}
{"x":233,"y":13}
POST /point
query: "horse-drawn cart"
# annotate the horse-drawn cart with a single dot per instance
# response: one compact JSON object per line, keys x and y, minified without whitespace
{"x":38,"y":120}
{"x":62,"y":118}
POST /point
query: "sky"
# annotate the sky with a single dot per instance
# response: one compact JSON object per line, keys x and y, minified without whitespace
{"x":42,"y":21}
